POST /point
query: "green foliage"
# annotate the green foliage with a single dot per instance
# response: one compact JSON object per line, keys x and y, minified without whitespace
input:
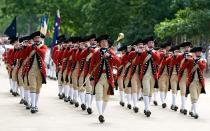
{"x":135,"y":18}
{"x":191,"y":19}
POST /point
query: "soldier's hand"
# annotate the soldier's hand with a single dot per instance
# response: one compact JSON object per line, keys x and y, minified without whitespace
{"x":34,"y":46}
{"x":146,"y":47}
{"x":106,"y":55}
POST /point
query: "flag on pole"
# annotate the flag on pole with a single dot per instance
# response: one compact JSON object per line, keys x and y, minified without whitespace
{"x":56,"y":28}
{"x":43,"y":29}
{"x":11,"y":30}
{"x":48,"y":37}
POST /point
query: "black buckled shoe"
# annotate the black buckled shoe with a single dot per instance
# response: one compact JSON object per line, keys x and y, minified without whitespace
{"x":182,"y":111}
{"x":101,"y":119}
{"x":33,"y":110}
{"x":28,"y":107}
{"x":155,"y":103}
{"x":10,"y":91}
{"x":148,"y":113}
{"x":25,"y":102}
{"x":71,"y":102}
{"x":136,"y":109}
{"x":176,"y":108}
{"x":191,"y":114}
{"x":172,"y":107}
{"x":36,"y":109}
{"x":145,"y":112}
{"x":89,"y":110}
{"x":141,"y":98}
{"x":122,"y":103}
{"x":164,"y":105}
{"x":14,"y":94}
{"x":60,"y":97}
{"x":196,"y":116}
{"x":22,"y":101}
{"x":17,"y":94}
{"x":83,"y":106}
{"x":66,"y":99}
{"x":129,"y":106}
{"x":76,"y":104}
{"x":185,"y":112}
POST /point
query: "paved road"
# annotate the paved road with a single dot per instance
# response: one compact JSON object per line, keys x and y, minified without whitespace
{"x":55,"y":115}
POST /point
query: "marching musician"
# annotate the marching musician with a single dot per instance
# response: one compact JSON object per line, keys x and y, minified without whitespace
{"x":102,"y":63}
{"x":195,"y":80}
{"x":36,"y":68}
{"x":182,"y":74}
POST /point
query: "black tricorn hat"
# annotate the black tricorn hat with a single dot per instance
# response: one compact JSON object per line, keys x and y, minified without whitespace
{"x":102,"y":37}
{"x":13,"y":39}
{"x":76,"y":39}
{"x":37,"y":33}
{"x":173,"y":48}
{"x":138,"y":41}
{"x":61,"y":38}
{"x":83,"y":39}
{"x":133,"y":43}
{"x":69,"y":39}
{"x":90,"y":37}
{"x":184,"y":44}
{"x":196,"y":49}
{"x":66,"y":40}
{"x":24,"y":38}
{"x":168,"y":43}
{"x":149,"y":38}
{"x":162,"y":46}
{"x":122,"y":48}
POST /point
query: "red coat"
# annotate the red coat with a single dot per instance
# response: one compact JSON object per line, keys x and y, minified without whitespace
{"x":201,"y":65}
{"x":55,"y":48}
{"x":75,"y":58}
{"x":174,"y":63}
{"x":26,"y":53}
{"x":58,"y":59}
{"x":125,"y":59}
{"x":96,"y":67}
{"x":165,"y":62}
{"x":183,"y":65}
{"x":65,"y":57}
{"x":11,"y":54}
{"x":155,"y":59}
{"x":88,"y":52}
{"x":19,"y":56}
{"x":41,"y":52}
{"x":135,"y":59}
{"x":69,"y":62}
